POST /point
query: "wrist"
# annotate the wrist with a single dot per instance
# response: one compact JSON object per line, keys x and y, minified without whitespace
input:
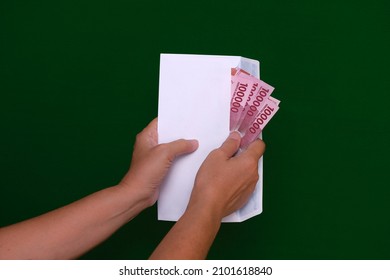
{"x":205,"y":210}
{"x":140,"y":189}
{"x":205,"y":200}
{"x":132,"y":198}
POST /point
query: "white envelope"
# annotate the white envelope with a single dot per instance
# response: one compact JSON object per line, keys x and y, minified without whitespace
{"x":194,"y":103}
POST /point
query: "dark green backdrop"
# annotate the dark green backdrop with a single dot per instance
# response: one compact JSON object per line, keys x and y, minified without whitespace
{"x":79,"y":79}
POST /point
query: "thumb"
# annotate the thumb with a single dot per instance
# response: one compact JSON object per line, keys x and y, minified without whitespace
{"x":231,"y":144}
{"x":181,"y":146}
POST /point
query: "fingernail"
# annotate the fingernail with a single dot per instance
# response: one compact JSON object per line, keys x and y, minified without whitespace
{"x":194,"y":143}
{"x":235,"y":135}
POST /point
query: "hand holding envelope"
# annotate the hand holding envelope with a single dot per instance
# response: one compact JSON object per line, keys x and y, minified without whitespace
{"x":225,"y":179}
{"x":194,"y":104}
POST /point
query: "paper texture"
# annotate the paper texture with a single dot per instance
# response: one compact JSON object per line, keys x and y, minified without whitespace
{"x":194,"y":102}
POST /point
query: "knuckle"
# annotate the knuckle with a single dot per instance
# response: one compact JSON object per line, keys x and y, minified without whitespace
{"x":216,"y":153}
{"x":258,"y":147}
{"x":263,"y":146}
{"x":165,"y":152}
{"x":250,"y":163}
{"x":251,"y":166}
{"x":162,"y":149}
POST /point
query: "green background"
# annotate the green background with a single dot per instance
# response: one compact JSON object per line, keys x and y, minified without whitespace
{"x":79,"y":79}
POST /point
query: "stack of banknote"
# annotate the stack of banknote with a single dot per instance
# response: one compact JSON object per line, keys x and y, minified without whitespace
{"x":251,"y":106}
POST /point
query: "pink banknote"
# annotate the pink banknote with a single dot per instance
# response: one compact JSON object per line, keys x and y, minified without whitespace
{"x":268,"y":110}
{"x":242,"y":84}
{"x":259,"y":94}
{"x":274,"y":100}
{"x":251,"y":106}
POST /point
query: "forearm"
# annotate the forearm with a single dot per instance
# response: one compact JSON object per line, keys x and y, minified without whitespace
{"x":190,"y":238}
{"x":70,"y":231}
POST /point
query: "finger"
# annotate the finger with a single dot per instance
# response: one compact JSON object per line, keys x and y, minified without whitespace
{"x":181,"y":146}
{"x":148,"y":136}
{"x":153,"y":123}
{"x":231,"y":144}
{"x":152,"y":126}
{"x":256,"y":149}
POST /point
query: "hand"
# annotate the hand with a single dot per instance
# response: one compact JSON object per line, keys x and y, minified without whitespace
{"x":151,"y":162}
{"x":225,"y":182}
